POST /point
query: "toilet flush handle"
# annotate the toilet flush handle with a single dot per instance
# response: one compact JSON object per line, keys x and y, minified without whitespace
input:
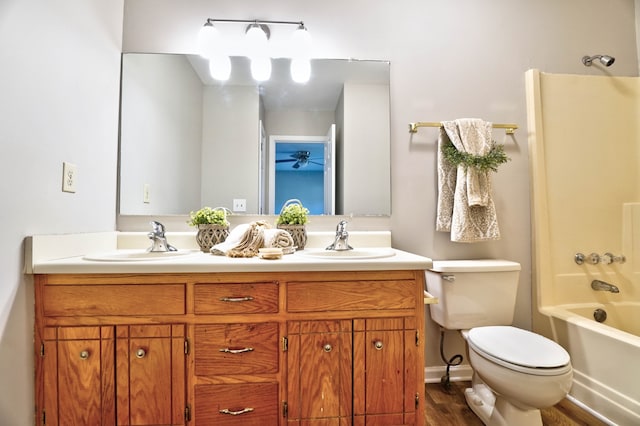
{"x":450,"y":278}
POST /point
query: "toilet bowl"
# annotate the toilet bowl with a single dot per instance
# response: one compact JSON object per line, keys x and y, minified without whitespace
{"x":515,"y":372}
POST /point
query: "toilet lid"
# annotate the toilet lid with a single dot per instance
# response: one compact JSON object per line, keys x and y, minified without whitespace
{"x":477,"y":265}
{"x":518,"y":347}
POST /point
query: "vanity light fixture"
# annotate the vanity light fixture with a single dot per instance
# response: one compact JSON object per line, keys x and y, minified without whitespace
{"x":213,"y":46}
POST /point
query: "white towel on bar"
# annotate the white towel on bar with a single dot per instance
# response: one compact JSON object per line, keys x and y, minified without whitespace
{"x":465,"y":206}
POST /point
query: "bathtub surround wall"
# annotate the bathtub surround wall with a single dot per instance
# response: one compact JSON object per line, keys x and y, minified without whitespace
{"x":585,"y":151}
{"x":60,"y":85}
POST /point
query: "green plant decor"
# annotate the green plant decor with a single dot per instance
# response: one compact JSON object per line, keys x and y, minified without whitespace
{"x":293,"y":214}
{"x":490,"y":161}
{"x":207,"y":215}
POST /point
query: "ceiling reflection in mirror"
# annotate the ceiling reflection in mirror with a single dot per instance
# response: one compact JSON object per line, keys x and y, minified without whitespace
{"x":188,"y":141}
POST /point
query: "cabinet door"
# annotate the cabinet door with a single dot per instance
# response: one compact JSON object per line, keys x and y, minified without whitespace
{"x":319,"y":384}
{"x":384,"y":372}
{"x":78,"y":376}
{"x":150,"y":374}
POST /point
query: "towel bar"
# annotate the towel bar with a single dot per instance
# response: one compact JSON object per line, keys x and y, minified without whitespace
{"x":413,"y":127}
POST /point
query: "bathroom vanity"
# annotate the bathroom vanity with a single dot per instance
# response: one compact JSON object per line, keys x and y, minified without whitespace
{"x":203,"y":339}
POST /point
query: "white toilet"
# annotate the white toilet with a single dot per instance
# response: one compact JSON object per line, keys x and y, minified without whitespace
{"x":515,"y":372}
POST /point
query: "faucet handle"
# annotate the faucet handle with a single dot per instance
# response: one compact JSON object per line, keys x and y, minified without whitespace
{"x":158,"y":228}
{"x":609,"y":258}
{"x":158,"y":240}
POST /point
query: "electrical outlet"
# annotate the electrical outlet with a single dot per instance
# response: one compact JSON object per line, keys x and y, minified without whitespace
{"x":239,"y":205}
{"x":146,"y":193}
{"x":69,"y":177}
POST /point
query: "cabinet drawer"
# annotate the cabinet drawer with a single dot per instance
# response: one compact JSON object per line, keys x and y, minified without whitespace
{"x":114,"y":299}
{"x":236,"y":298}
{"x":230,"y":349}
{"x":248,"y":404}
{"x":350,"y":296}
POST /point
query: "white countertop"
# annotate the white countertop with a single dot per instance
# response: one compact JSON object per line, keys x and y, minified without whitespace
{"x":204,"y":262}
{"x":64,"y":254}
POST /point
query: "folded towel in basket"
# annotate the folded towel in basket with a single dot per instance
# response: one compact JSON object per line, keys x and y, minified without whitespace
{"x":277,"y":238}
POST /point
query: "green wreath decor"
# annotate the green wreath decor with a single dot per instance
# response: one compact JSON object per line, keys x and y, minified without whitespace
{"x":490,"y":161}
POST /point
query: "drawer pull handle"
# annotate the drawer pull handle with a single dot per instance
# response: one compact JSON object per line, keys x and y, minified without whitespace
{"x":327,"y":348}
{"x":236,"y":351}
{"x":378,"y":345}
{"x":236,"y":413}
{"x":141,"y":353}
{"x":84,"y":355}
{"x":236,"y":299}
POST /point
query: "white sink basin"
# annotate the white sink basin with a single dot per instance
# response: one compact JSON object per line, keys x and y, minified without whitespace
{"x":135,"y":255}
{"x":355,"y":254}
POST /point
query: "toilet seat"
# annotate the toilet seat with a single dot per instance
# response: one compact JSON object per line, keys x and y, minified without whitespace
{"x":519,"y":350}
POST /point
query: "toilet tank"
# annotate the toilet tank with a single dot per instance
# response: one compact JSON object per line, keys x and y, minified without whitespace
{"x":473,"y":293}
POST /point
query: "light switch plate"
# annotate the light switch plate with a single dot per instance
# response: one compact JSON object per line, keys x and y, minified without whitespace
{"x":69,"y":177}
{"x":239,"y":205}
{"x":146,"y":193}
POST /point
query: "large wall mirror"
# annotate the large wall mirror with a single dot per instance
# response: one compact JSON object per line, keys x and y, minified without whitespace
{"x":188,"y":141}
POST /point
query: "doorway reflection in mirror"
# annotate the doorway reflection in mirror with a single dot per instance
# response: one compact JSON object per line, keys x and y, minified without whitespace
{"x":302,"y":167}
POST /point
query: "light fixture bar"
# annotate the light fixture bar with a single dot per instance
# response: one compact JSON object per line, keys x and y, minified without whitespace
{"x":255,"y":21}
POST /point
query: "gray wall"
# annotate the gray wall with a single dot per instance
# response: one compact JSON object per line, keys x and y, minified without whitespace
{"x":59,"y":84}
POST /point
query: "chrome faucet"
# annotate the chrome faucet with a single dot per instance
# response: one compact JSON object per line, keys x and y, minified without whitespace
{"x":342,"y":238}
{"x":158,"y":240}
{"x":603,"y":286}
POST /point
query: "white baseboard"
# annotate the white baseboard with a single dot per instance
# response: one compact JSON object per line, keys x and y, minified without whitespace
{"x":456,"y":374}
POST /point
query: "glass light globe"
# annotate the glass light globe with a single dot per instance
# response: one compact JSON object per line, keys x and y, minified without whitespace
{"x":208,"y":40}
{"x":220,"y":67}
{"x":300,"y":70}
{"x":261,"y":68}
{"x":300,"y":43}
{"x":256,"y":40}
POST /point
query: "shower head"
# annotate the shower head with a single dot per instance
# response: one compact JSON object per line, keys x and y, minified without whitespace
{"x":605,"y":60}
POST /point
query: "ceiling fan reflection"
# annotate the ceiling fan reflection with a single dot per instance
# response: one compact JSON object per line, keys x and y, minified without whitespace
{"x":300,"y":159}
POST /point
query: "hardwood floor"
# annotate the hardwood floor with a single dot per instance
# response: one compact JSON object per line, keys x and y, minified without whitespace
{"x":449,"y":408}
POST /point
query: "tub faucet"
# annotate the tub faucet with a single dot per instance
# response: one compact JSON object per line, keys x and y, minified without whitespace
{"x":602,"y":286}
{"x":158,"y":240}
{"x":342,"y":238}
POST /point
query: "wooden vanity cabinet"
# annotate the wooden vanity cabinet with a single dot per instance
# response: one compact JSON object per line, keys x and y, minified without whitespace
{"x":364,"y":367}
{"x":276,"y":348}
{"x":109,"y":350}
{"x":236,"y":350}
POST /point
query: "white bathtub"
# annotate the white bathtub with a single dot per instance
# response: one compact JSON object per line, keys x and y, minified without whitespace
{"x":605,"y":356}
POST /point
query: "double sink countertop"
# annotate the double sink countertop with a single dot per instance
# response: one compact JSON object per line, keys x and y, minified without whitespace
{"x":69,"y":254}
